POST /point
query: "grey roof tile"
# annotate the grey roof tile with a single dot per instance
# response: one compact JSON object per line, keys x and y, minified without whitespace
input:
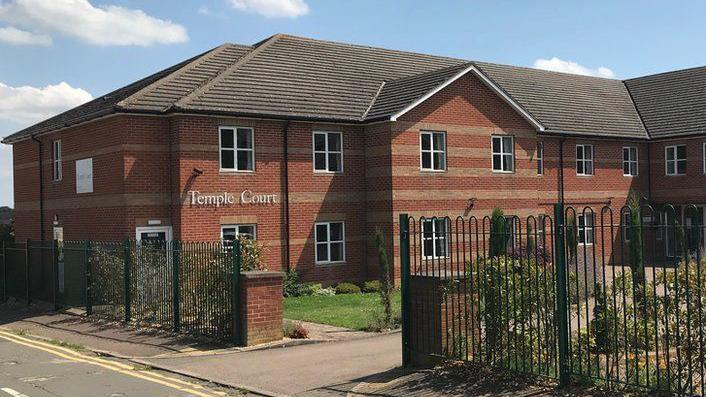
{"x":287,"y":76}
{"x":673,"y":103}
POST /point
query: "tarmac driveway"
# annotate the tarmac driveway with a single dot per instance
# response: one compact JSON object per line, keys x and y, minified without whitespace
{"x":329,"y":368}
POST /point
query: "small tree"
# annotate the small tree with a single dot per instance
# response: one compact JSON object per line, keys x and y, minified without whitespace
{"x":635,"y":245}
{"x":572,"y":240}
{"x":252,"y":254}
{"x":497,"y":233}
{"x":385,"y":287}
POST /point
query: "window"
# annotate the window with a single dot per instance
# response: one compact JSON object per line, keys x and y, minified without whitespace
{"x":503,"y":154}
{"x":704,"y":158}
{"x":540,"y":158}
{"x":231,"y":232}
{"x":585,"y":229}
{"x":330,"y":242}
{"x":433,"y":151}
{"x":237,"y":149}
{"x":328,"y":152}
{"x":56,"y":160}
{"x":627,"y":226}
{"x":630,"y":161}
{"x":434,"y":241}
{"x":584,"y":159}
{"x":675,"y":160}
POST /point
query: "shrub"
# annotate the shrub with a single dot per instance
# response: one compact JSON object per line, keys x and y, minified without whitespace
{"x":295,"y":330}
{"x":371,"y":286}
{"x":291,"y":285}
{"x":318,"y":290}
{"x":385,"y":287}
{"x":252,"y":254}
{"x":497,"y":233}
{"x":378,"y":321}
{"x":347,"y":288}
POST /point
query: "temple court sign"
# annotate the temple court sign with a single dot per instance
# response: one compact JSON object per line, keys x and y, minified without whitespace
{"x":224,"y":199}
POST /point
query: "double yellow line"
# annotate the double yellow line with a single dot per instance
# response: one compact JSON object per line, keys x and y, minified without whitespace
{"x":129,"y":370}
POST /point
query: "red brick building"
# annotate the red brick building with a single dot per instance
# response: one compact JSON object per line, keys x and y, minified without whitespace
{"x":309,"y":146}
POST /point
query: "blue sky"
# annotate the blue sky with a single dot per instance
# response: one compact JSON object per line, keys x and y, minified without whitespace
{"x":56,"y":54}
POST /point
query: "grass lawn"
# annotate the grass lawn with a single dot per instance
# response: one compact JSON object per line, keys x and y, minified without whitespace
{"x":346,"y":310}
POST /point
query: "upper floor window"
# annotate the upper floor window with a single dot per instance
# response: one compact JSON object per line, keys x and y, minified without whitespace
{"x":330,"y":242}
{"x":585,"y":228}
{"x":675,"y":160}
{"x":434,"y":236}
{"x":629,"y":161}
{"x":584,"y":159}
{"x":328,"y":152}
{"x":237,"y":148}
{"x":56,"y":160}
{"x":540,"y":158}
{"x":503,"y":154}
{"x":433,"y":151}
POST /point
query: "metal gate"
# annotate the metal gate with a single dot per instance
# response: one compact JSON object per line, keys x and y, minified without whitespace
{"x":611,"y":297}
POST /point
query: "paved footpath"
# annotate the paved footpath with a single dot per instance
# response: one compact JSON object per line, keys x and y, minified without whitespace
{"x":31,"y":368}
{"x":331,"y":368}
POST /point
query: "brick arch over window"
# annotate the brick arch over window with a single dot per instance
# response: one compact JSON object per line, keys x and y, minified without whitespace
{"x":468,"y":101}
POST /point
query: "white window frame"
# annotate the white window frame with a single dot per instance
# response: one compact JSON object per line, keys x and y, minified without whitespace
{"x":675,"y":161}
{"x":627,"y":224}
{"x":585,"y":161}
{"x":432,"y":151}
{"x":435,"y":235}
{"x":704,"y":156}
{"x":502,"y":154}
{"x":540,"y":158}
{"x":328,"y":242}
{"x":629,"y":161}
{"x":326,"y":151}
{"x":237,"y":229}
{"x":235,"y":148}
{"x":57,"y":171}
{"x":586,"y":229}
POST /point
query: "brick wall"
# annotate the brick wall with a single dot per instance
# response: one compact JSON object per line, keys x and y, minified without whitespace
{"x":261,"y":307}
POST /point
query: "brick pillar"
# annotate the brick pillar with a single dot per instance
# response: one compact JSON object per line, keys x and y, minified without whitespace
{"x":261,"y":306}
{"x":443,"y":319}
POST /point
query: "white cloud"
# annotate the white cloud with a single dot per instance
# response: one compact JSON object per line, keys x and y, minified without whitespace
{"x":273,"y":8}
{"x":30,"y":104}
{"x":559,"y":65}
{"x":104,"y":25}
{"x":14,"y":36}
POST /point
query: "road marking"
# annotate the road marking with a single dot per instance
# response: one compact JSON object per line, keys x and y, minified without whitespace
{"x":129,"y":370}
{"x":13,"y":393}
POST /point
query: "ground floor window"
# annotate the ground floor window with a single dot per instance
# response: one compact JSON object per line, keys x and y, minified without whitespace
{"x":231,"y":232}
{"x":330,"y":242}
{"x":153,"y":234}
{"x":585,"y":228}
{"x":434,"y":238}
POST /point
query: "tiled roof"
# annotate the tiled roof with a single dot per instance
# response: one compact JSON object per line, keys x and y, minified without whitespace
{"x":673,"y":103}
{"x":569,"y":103}
{"x":294,"y":77}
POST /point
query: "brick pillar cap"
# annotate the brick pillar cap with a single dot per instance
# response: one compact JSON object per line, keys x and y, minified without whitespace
{"x":255,"y":274}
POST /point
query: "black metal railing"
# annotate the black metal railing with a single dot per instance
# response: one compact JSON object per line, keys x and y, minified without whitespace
{"x":612,"y":297}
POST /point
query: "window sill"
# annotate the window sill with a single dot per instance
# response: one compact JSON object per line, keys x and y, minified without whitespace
{"x":671,"y":175}
{"x":585,"y":175}
{"x":429,"y":171}
{"x":503,"y":172}
{"x":235,"y":172}
{"x":330,"y":264}
{"x":320,"y":172}
{"x":630,"y":176}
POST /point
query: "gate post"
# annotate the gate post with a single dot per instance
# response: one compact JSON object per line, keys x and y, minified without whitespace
{"x":55,"y":271}
{"x":87,"y":263}
{"x":126,"y":279}
{"x":4,"y":272}
{"x":235,"y":294}
{"x":175,"y":285}
{"x":27,"y":256}
{"x":405,"y":274}
{"x":562,"y":310}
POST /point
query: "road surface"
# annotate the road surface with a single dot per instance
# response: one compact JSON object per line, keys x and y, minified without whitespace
{"x":34,"y":368}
